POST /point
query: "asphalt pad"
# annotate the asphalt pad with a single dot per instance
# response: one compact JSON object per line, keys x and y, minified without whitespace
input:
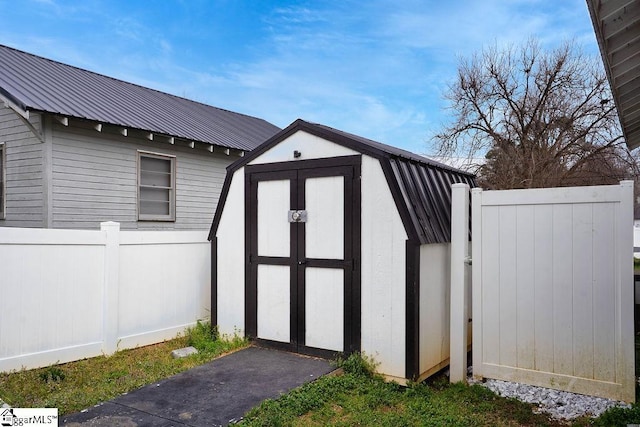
{"x":215,"y":394}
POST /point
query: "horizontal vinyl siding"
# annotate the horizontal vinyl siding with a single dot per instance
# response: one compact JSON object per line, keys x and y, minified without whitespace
{"x":196,"y":197}
{"x":24,"y":180}
{"x":95,"y":180}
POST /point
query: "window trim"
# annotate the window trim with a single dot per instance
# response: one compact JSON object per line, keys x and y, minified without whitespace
{"x":3,"y":180}
{"x":172,"y":191}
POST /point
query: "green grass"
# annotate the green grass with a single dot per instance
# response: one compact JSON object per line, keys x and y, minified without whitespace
{"x":621,"y":416}
{"x":359,"y":397}
{"x":356,"y":397}
{"x":74,"y":386}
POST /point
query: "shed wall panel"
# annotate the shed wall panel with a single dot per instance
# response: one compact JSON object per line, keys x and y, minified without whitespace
{"x":273,"y":233}
{"x":435,"y":272}
{"x":24,"y":165}
{"x":324,"y":313}
{"x":325,"y":199}
{"x":95,"y":180}
{"x":230,"y":262}
{"x":309,"y":146}
{"x":383,"y":273}
{"x":274,"y":302}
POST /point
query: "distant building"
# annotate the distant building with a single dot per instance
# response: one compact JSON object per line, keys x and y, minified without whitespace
{"x":78,"y":148}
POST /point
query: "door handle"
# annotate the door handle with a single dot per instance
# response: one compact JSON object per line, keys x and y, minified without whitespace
{"x":297,"y":215}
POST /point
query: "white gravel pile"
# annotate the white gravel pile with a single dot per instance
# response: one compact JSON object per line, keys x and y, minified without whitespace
{"x":561,"y":405}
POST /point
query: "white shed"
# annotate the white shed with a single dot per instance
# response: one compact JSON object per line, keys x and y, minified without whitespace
{"x":327,"y":242}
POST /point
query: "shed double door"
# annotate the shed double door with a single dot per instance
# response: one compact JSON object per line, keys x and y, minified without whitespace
{"x":301,"y":258}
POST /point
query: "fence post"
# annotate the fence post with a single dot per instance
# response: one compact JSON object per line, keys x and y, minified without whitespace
{"x":459,"y":257}
{"x":626,"y":360}
{"x":111,"y":273}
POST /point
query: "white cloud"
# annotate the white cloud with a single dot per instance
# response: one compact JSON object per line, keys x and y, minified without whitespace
{"x":384,"y":80}
{"x":375,"y":68}
{"x":129,"y":29}
{"x":464,"y":26}
{"x":294,"y":15}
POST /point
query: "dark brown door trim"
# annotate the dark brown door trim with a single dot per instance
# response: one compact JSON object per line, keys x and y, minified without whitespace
{"x":297,"y":173}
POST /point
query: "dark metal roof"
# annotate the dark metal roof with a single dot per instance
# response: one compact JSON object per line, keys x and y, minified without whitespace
{"x":39,"y":84}
{"x":617,"y":27}
{"x":421,"y":187}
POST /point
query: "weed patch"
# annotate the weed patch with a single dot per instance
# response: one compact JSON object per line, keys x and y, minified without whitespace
{"x":52,"y":373}
{"x":357,"y":364}
{"x":207,"y":340}
{"x":619,"y":417}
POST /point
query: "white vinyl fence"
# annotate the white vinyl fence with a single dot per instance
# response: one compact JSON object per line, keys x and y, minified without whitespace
{"x":552,"y":288}
{"x":71,"y":294}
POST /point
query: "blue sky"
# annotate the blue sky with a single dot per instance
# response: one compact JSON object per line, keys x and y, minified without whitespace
{"x":376,"y":68}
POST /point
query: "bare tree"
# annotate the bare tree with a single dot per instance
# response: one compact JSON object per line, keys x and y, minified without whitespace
{"x":541,"y":119}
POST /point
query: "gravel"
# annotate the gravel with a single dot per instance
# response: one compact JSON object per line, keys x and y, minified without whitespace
{"x":560,"y":405}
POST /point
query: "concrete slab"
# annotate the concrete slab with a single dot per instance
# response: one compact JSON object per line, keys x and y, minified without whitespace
{"x":183,"y":352}
{"x":218,"y":393}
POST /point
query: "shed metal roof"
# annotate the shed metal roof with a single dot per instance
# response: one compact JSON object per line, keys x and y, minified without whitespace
{"x":421,"y":187}
{"x":617,"y":28}
{"x":33,"y":83}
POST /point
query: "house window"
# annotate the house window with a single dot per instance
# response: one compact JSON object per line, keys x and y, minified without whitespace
{"x":2,"y":180}
{"x":156,"y":187}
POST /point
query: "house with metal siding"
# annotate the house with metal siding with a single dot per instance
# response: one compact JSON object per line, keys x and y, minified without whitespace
{"x":78,"y":148}
{"x":326,"y":242}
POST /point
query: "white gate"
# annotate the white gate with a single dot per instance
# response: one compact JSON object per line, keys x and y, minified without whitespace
{"x":553,"y":288}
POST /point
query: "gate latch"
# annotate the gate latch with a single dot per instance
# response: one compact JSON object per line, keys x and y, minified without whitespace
{"x":298,"y":216}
